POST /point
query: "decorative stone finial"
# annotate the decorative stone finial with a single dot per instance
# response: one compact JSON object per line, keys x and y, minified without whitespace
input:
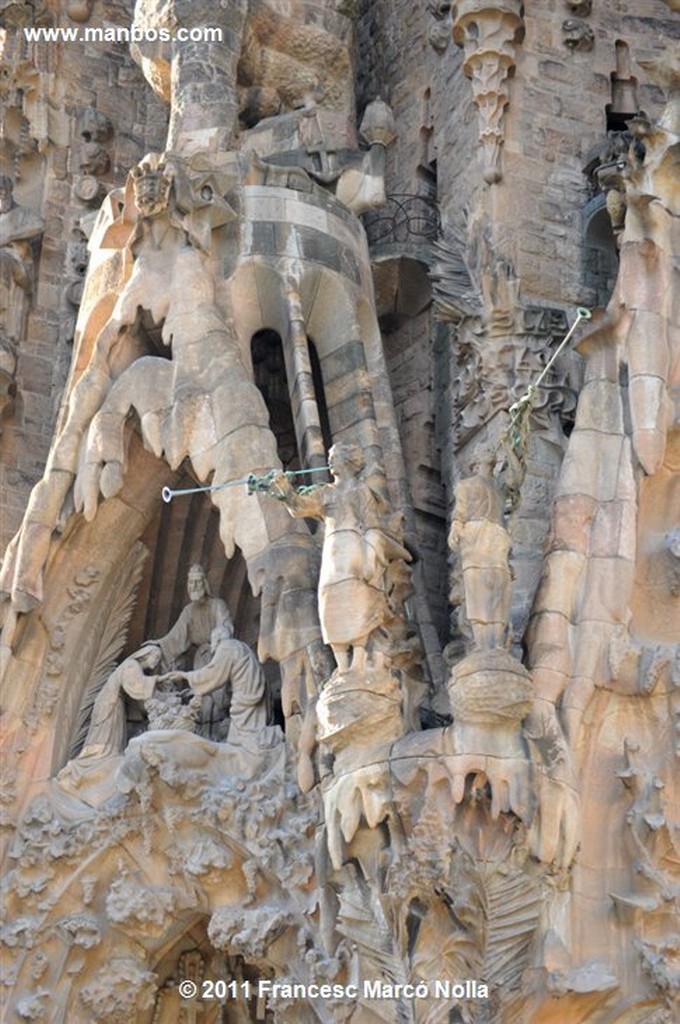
{"x":378,"y":126}
{"x":488,"y":33}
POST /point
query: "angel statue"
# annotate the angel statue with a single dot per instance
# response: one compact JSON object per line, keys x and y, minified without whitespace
{"x":361,"y":552}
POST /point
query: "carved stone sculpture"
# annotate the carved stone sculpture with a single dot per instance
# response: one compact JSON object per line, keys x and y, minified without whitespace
{"x":360,"y":712}
{"x":488,"y":33}
{"x":105,"y":740}
{"x":73,"y":292}
{"x":479,"y":535}
{"x":94,"y":160}
{"x":439,"y":34}
{"x":578,"y":35}
{"x":232,"y":664}
{"x":491,"y":693}
{"x":18,"y":228}
{"x":194,"y":628}
{"x":360,"y":543}
{"x":610,"y":180}
{"x":169,"y":710}
{"x":103,"y":466}
{"x":494,"y":847}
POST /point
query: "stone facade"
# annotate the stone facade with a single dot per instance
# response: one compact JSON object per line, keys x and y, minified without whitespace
{"x":339,"y":504}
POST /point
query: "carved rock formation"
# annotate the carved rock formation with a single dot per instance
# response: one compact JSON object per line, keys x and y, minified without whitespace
{"x":405,"y":752}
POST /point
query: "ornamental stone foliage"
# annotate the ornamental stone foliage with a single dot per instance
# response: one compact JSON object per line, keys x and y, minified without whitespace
{"x":339,"y":512}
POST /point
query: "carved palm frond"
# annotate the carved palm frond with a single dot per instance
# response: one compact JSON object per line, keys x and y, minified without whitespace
{"x":446,"y":948}
{"x":365,"y":919}
{"x":481,"y":926}
{"x":438,"y":1012}
{"x":455,"y":296}
{"x":366,"y":925}
{"x":109,"y":636}
{"x":512,"y":906}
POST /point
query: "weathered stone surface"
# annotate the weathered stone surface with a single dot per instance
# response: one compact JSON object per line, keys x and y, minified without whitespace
{"x":424,"y":732}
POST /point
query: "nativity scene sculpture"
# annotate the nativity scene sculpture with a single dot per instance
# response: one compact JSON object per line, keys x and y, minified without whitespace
{"x":172,"y":696}
{"x":105,"y":740}
{"x":372,"y":837}
{"x":232,"y":664}
{"x":196,"y":624}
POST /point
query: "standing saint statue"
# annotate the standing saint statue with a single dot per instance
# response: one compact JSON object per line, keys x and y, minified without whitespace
{"x":18,"y":227}
{"x":479,"y":535}
{"x":360,"y":544}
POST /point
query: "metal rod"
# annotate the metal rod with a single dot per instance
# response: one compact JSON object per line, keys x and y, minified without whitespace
{"x":168,"y":494}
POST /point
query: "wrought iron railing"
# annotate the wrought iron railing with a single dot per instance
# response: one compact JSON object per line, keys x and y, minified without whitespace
{"x":404,"y":218}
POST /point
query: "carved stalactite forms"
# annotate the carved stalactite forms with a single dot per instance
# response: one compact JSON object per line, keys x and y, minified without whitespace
{"x":488,"y":33}
{"x":229,"y":324}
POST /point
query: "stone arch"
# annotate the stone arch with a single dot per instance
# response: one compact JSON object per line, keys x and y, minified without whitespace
{"x":227,"y":984}
{"x":60,"y":638}
{"x":269,"y":371}
{"x":600,"y":253}
{"x":60,"y":646}
{"x":338,"y":315}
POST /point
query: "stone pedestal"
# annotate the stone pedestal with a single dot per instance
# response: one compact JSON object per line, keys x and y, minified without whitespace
{"x":359,"y":719}
{"x":490,"y":694}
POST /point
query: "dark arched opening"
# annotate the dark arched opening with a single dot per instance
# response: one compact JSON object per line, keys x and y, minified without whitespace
{"x":269,"y":369}
{"x":600,"y":252}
